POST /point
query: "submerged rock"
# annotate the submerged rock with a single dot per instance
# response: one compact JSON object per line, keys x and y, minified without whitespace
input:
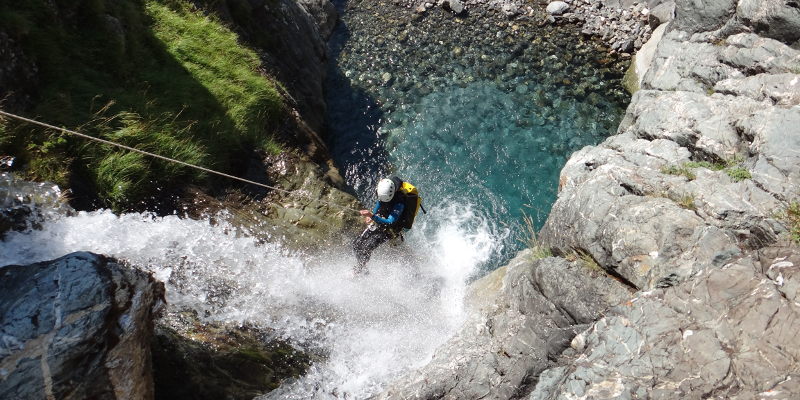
{"x":557,"y":8}
{"x":76,"y":327}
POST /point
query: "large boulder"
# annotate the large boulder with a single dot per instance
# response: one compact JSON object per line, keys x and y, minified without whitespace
{"x":76,"y":327}
{"x":526,"y":314}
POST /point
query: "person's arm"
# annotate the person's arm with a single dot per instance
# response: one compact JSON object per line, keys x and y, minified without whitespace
{"x":368,"y":215}
{"x":393,"y":216}
{"x":377,"y":206}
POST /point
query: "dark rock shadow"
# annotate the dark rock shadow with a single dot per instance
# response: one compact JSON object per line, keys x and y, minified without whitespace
{"x":353,"y":121}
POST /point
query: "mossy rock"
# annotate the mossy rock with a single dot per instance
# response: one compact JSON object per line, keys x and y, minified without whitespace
{"x":195,"y":360}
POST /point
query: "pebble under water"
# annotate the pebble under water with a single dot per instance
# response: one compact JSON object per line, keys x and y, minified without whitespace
{"x":475,"y":110}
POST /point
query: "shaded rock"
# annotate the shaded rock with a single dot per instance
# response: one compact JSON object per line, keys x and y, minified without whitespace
{"x":526,"y":314}
{"x":324,"y":14}
{"x":18,"y":74}
{"x":557,"y":8}
{"x":779,"y":20}
{"x":712,"y":15}
{"x":729,"y":333}
{"x":196,"y":360}
{"x":76,"y":327}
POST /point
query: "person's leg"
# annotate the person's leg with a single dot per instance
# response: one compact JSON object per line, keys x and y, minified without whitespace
{"x":366,"y":243}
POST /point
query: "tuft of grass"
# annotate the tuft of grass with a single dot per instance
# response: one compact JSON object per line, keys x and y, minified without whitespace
{"x":538,"y":249}
{"x":792,"y":217}
{"x":588,"y":261}
{"x":705,"y":164}
{"x":732,"y":168}
{"x":687,"y":202}
{"x":159,"y":75}
{"x":738,"y":174}
{"x":680,"y":170}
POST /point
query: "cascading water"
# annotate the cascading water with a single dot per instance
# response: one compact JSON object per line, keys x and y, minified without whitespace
{"x":371,"y":328}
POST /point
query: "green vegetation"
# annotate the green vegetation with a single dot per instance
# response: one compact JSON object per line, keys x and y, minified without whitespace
{"x":792,"y":217}
{"x":686,"y":201}
{"x":732,"y":168}
{"x":538,"y":249}
{"x":159,"y":75}
{"x":680,"y":170}
{"x":586,"y":260}
{"x":738,"y":174}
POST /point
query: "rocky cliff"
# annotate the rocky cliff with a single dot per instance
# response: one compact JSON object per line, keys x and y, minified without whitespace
{"x":686,"y":207}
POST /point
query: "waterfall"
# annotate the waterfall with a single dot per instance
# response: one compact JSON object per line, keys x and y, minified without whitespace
{"x":371,"y":328}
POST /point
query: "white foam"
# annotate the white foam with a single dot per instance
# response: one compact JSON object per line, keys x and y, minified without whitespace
{"x":373,"y":327}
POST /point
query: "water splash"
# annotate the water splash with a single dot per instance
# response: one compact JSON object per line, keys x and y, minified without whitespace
{"x":372,"y":328}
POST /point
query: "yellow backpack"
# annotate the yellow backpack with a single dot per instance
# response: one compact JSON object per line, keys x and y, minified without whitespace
{"x":412,"y":201}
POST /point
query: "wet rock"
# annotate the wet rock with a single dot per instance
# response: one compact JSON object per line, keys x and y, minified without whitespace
{"x":76,"y":327}
{"x":526,"y":314}
{"x":317,"y":209}
{"x":557,"y":7}
{"x":208,"y":360}
{"x":25,"y":205}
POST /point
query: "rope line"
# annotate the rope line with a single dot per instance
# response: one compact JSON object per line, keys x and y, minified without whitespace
{"x":172,"y":160}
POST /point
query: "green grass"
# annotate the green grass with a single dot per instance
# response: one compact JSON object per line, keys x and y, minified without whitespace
{"x":680,"y":170}
{"x":166,"y":78}
{"x":732,"y":168}
{"x":531,"y":239}
{"x":792,"y":218}
{"x":738,"y":174}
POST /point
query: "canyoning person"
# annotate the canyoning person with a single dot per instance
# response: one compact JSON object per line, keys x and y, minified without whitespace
{"x":395,"y":210}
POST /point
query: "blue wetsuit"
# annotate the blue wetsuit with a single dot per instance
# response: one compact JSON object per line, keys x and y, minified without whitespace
{"x":388,"y":226}
{"x":397,"y":211}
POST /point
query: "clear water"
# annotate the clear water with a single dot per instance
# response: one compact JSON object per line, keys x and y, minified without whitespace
{"x":473,"y":113}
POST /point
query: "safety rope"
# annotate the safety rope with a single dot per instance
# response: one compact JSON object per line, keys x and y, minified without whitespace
{"x":172,"y":160}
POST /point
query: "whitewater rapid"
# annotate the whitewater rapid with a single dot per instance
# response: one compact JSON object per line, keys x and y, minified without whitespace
{"x":373,"y":328}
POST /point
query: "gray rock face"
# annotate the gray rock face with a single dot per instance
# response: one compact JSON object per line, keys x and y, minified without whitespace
{"x":628,"y":203}
{"x":688,"y":194}
{"x":516,"y":332}
{"x":683,"y":203}
{"x":729,"y":333}
{"x":76,"y":327}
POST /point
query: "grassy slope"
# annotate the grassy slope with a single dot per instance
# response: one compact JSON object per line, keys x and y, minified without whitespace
{"x":155,"y":74}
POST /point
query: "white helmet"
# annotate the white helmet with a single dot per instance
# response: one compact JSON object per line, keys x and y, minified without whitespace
{"x":386,"y":189}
